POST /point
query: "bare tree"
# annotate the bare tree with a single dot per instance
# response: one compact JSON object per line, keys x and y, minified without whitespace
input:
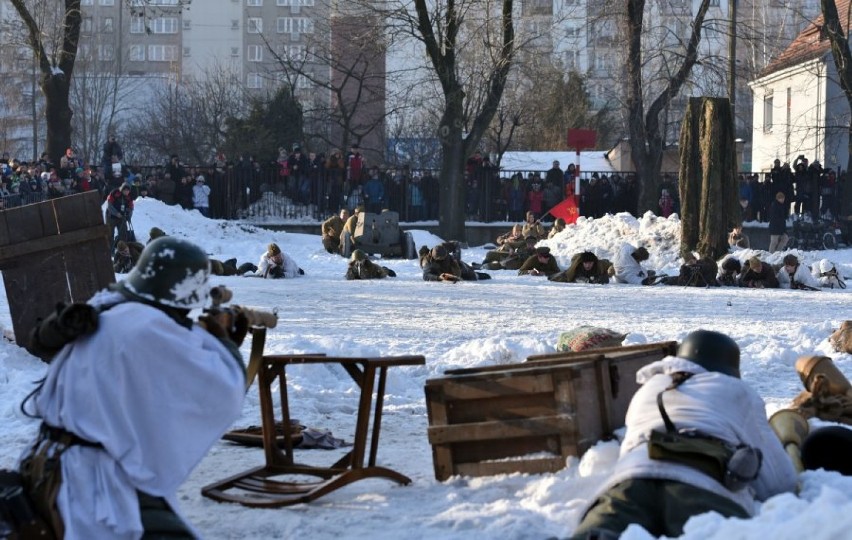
{"x":101,"y":99}
{"x":644,"y":125}
{"x":471,"y":86}
{"x":56,"y":52}
{"x":837,"y":36}
{"x":185,"y":117}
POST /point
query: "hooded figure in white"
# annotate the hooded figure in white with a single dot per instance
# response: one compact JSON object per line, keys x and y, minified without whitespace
{"x":627,"y":265}
{"x":274,"y":264}
{"x":826,"y":274}
{"x":713,"y":402}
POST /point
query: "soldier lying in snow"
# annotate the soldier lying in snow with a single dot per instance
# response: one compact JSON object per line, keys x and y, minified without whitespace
{"x":361,"y":267}
{"x":585,"y":268}
{"x":441,"y":265}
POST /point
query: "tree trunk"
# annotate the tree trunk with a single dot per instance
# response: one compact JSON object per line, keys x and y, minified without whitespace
{"x":708,"y":177}
{"x":451,"y":214}
{"x":58,"y":114}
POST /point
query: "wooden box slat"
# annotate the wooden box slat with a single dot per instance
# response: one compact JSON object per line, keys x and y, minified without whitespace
{"x":499,"y":429}
{"x":530,"y":417}
{"x":53,"y":251}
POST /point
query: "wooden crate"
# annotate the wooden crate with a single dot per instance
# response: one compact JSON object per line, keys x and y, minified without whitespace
{"x":52,"y":251}
{"x":529,"y":417}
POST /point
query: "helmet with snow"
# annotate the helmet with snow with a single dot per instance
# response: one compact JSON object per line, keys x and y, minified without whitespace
{"x":170,"y":272}
{"x":713,"y":351}
{"x":826,"y":266}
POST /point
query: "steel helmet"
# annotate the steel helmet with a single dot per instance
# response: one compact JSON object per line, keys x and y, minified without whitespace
{"x":826,"y":266}
{"x":171,"y":272}
{"x":713,"y":351}
{"x":358,"y":255}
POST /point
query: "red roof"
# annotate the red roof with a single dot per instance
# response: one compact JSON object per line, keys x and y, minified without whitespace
{"x":808,"y":45}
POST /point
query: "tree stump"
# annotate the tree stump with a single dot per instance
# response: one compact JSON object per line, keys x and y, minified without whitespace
{"x":709,"y":190}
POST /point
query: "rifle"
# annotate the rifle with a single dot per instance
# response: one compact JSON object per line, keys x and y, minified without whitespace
{"x":802,"y":286}
{"x":233,"y":317}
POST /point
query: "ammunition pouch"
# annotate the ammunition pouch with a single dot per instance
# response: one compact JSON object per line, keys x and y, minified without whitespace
{"x":18,"y":516}
{"x":41,"y":474}
{"x":733,"y":466}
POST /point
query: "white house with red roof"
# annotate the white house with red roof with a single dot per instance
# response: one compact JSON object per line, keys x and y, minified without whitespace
{"x":799,"y":107}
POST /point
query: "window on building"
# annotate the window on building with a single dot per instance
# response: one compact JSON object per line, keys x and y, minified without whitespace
{"x":289,"y":25}
{"x":714,"y":3}
{"x":235,"y":24}
{"x":137,"y":25}
{"x":254,"y":25}
{"x":86,"y":2}
{"x":107,"y":2}
{"x":187,"y":24}
{"x":86,"y":25}
{"x":162,"y":53}
{"x":164,"y":25}
{"x":254,"y":3}
{"x":108,"y":25}
{"x":572,"y":59}
{"x":767,"y":113}
{"x":106,"y":52}
{"x":299,"y":3}
{"x":136,"y":53}
{"x":303,"y":82}
{"x":255,"y":53}
{"x":295,"y":52}
{"x":235,"y":51}
{"x":537,"y":7}
{"x":254,"y":80}
{"x":187,"y":51}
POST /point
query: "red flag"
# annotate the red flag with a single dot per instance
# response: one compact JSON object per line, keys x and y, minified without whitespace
{"x":566,"y":210}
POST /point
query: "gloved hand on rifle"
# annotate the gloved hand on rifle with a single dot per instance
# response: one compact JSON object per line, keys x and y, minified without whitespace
{"x":229,"y":324}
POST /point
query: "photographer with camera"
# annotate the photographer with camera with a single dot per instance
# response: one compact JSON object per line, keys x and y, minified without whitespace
{"x":697,"y":441}
{"x":119,"y":211}
{"x":135,"y":395}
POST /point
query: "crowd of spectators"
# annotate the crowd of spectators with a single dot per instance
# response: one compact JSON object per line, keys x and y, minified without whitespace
{"x":809,"y":190}
{"x":322,"y":184}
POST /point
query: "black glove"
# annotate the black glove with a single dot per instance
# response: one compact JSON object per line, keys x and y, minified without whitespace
{"x":64,"y":325}
{"x":239,"y":328}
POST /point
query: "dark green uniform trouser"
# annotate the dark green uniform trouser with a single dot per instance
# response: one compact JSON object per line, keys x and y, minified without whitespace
{"x":662,"y":507}
{"x":160,"y":521}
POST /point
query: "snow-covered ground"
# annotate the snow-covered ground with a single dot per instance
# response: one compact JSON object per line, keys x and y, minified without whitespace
{"x":465,"y":325}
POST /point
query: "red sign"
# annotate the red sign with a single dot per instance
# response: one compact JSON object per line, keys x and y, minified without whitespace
{"x":582,"y":138}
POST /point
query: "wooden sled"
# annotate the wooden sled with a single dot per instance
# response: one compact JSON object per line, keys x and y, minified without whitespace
{"x":282,"y":481}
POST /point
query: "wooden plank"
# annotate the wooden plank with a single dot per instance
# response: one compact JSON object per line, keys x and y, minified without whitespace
{"x":499,"y":408}
{"x":442,"y":456}
{"x":501,"y":429}
{"x":49,"y":243}
{"x":504,"y":449}
{"x":79,"y":211}
{"x":33,"y":294}
{"x":96,"y":271}
{"x":526,"y":466}
{"x":665,"y":347}
{"x":4,"y":228}
{"x":506,"y":385}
